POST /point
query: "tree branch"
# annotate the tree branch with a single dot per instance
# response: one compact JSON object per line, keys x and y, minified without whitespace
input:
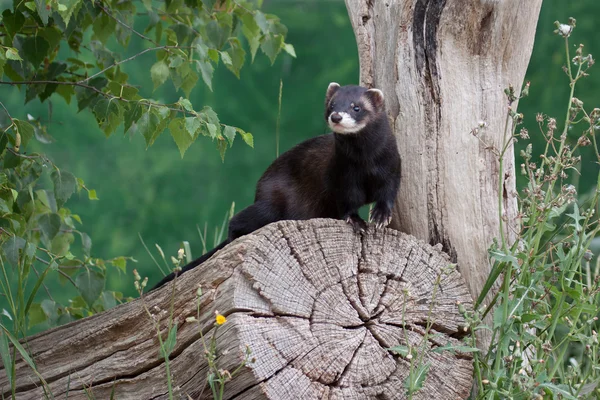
{"x":129,"y":59}
{"x":100,"y":92}
{"x":126,"y":26}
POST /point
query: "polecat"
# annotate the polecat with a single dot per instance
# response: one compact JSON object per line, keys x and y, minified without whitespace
{"x":328,"y":176}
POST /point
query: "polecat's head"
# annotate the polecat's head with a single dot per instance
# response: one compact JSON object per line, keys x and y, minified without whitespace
{"x":349,"y":109}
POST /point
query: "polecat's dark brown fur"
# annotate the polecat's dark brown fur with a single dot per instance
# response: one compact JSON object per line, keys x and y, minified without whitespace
{"x":328,"y":176}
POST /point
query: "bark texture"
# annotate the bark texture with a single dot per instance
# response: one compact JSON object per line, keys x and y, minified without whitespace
{"x":443,"y":66}
{"x":318,"y":305}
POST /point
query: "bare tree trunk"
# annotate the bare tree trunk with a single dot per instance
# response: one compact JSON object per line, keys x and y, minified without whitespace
{"x":318,"y":305}
{"x":443,"y":66}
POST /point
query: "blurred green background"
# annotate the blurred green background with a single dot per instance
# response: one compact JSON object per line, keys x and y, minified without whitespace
{"x":156,"y":194}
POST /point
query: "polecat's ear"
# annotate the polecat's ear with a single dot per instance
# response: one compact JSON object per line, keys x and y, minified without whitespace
{"x":331,"y":89}
{"x":375,"y":96}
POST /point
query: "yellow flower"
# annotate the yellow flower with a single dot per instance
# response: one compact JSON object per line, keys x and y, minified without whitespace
{"x":220,"y":319}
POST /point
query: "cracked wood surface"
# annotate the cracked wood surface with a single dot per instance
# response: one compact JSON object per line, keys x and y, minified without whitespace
{"x":317,"y":304}
{"x":443,"y":66}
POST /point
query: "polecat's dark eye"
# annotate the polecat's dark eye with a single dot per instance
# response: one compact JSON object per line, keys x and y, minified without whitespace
{"x":356,"y":108}
{"x":331,"y":106}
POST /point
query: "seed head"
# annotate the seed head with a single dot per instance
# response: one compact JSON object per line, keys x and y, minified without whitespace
{"x":524,"y":134}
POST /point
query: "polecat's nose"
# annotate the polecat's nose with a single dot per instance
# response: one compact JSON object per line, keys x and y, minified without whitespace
{"x":335,"y":117}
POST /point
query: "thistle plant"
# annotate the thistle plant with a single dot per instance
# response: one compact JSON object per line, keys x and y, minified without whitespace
{"x":217,"y":377}
{"x":545,"y":314}
{"x":166,"y":346}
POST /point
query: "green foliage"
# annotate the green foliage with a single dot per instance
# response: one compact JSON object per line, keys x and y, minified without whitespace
{"x":74,"y":49}
{"x":38,"y":232}
{"x":41,"y":51}
{"x":187,"y":37}
{"x":545,"y":314}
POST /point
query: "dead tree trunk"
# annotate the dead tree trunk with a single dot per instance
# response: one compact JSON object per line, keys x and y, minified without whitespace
{"x":318,"y":306}
{"x":443,"y":66}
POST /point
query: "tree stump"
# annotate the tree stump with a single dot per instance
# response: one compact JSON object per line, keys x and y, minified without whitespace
{"x":443,"y":66}
{"x":318,"y":305}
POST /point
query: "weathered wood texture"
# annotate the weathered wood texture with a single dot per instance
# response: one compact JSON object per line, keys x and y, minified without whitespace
{"x":318,"y":305}
{"x":443,"y":66}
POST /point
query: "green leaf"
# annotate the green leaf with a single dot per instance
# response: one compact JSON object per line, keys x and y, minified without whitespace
{"x":13,"y":54}
{"x":123,"y":90}
{"x":226,"y":58}
{"x":251,"y":32}
{"x":104,"y":27}
{"x":213,"y":54}
{"x":182,"y":137}
{"x":53,"y":36}
{"x":92,"y":194}
{"x":186,"y":104}
{"x":109,"y":114}
{"x":253,"y":42}
{"x":175,"y":61}
{"x":121,"y":263}
{"x":453,"y":349}
{"x":229,"y":133}
{"x":400,"y":349}
{"x":35,"y":49}
{"x":159,"y":73}
{"x":49,"y":225}
{"x":169,"y":344}
{"x":562,"y":390}
{"x":66,"y":92}
{"x":246,"y":137}
{"x":498,"y":318}
{"x":261,"y":21}
{"x":61,"y":243}
{"x":50,"y":308}
{"x":417,"y":377}
{"x":72,"y":7}
{"x":86,"y":243}
{"x":43,"y":10}
{"x":108,"y":300}
{"x":12,"y":22}
{"x":212,"y":130}
{"x":36,"y":315}
{"x":219,"y":30}
{"x":271,"y":45}
{"x":6,"y":356}
{"x":132,"y":115}
{"x":237,"y":57}
{"x":12,"y":249}
{"x":189,"y":83}
{"x":222,"y":146}
{"x":64,"y":186}
{"x":90,"y":285}
{"x":201,"y":49}
{"x":147,"y":126}
{"x":212,"y":118}
{"x":288,"y":48}
{"x":206,"y":69}
{"x":192,"y":124}
{"x":26,"y":131}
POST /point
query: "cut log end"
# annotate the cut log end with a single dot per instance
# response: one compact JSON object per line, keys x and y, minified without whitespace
{"x":319,"y":307}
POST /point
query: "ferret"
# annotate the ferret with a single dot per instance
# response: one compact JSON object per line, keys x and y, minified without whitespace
{"x":328,"y":176}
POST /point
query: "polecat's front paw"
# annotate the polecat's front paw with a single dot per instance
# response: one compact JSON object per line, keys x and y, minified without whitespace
{"x":381,"y":216}
{"x":358,"y":224}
